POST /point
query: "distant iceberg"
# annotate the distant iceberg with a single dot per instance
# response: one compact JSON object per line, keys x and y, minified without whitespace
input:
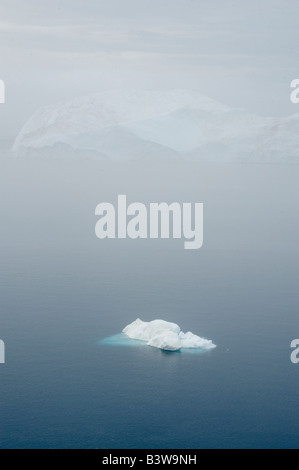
{"x":165,"y":335}
{"x":157,"y":125}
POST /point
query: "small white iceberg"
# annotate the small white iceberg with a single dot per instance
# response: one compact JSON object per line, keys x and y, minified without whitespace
{"x":165,"y":335}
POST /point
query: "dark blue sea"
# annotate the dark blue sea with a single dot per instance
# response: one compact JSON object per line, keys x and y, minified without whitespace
{"x":63,"y":291}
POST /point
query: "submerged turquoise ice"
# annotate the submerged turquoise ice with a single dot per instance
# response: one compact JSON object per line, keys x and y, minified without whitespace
{"x":121,"y":340}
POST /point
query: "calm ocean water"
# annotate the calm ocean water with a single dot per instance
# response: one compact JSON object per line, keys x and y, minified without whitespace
{"x":63,"y":290}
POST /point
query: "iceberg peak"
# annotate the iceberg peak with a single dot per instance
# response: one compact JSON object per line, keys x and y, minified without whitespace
{"x":165,"y":335}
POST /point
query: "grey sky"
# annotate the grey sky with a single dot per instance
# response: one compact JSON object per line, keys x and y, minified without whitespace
{"x":241,"y":53}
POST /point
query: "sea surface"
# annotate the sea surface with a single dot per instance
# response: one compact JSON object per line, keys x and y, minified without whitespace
{"x":63,"y":291}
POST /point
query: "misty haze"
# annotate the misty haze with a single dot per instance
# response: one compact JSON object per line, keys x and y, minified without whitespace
{"x":175,"y":101}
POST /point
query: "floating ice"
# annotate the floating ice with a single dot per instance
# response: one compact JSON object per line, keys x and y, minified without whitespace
{"x":171,"y":125}
{"x":165,"y":335}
